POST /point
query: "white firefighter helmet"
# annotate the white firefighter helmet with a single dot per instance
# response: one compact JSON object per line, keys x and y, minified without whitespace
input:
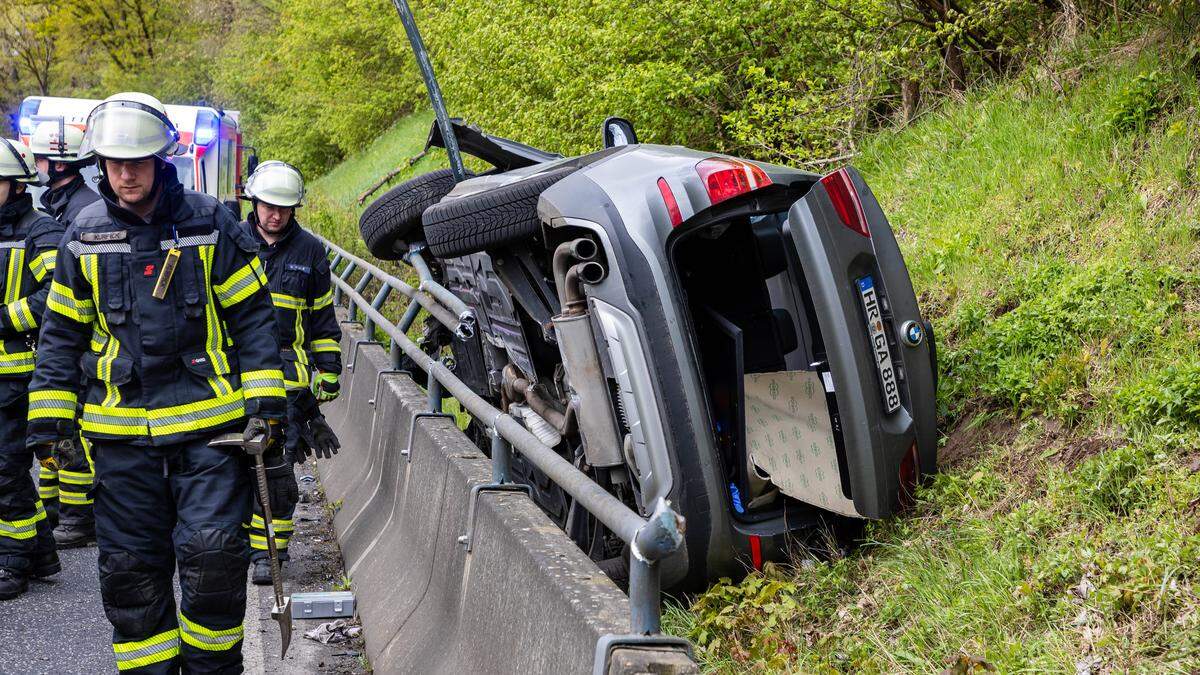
{"x":276,"y":183}
{"x":57,"y":142}
{"x":130,"y":126}
{"x":17,"y":163}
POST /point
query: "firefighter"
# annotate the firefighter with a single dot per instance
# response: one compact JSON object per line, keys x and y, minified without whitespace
{"x":28,"y":244}
{"x":55,"y":147}
{"x":161,"y":302}
{"x":298,"y":272}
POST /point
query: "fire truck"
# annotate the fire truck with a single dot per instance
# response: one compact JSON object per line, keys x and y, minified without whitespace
{"x":212,"y":138}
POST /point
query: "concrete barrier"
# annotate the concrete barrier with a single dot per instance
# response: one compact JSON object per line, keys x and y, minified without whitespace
{"x":523,"y":599}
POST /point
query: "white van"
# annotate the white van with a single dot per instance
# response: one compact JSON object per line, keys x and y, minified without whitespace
{"x":212,"y":162}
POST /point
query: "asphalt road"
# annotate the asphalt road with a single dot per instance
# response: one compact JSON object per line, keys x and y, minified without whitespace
{"x":59,"y":627}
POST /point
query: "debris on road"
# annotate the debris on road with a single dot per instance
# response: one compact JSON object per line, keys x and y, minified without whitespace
{"x":335,"y":632}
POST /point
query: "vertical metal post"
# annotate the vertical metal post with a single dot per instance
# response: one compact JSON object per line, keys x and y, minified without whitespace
{"x":431,"y":83}
{"x":501,"y":458}
{"x":395,"y":354}
{"x":410,"y":315}
{"x":337,"y":290}
{"x":434,"y":389}
{"x":380,"y":297}
{"x":359,"y":288}
{"x":645,"y":602}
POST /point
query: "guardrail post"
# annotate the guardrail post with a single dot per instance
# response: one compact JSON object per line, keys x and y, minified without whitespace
{"x":501,"y":458}
{"x":410,"y":315}
{"x":337,"y":291}
{"x":359,"y":288}
{"x":380,"y":298}
{"x":395,"y":354}
{"x":434,"y":389}
{"x":645,"y":601}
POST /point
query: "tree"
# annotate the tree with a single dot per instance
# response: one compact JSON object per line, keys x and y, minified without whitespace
{"x":27,"y":42}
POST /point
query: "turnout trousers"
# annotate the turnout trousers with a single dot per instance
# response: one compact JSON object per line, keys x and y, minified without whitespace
{"x":25,"y":532}
{"x":158,"y":507}
{"x":283,"y":492}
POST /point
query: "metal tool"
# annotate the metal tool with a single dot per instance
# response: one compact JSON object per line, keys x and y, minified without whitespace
{"x":255,"y":441}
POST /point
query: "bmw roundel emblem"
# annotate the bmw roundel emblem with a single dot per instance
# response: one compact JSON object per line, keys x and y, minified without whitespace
{"x":913,"y":333}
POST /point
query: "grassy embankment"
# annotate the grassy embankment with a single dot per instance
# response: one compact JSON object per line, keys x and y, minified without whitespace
{"x":1052,"y":228}
{"x":1051,"y":225}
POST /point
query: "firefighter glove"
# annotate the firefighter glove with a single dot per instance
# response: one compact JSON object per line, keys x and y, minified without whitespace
{"x":320,"y":437}
{"x":325,"y":386}
{"x":256,"y":426}
{"x":45,"y":456}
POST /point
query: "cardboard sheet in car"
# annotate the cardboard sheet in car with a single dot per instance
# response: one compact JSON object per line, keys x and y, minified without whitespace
{"x":790,"y":437}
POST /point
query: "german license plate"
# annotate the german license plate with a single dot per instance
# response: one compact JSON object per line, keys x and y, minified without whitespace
{"x":879,"y":344}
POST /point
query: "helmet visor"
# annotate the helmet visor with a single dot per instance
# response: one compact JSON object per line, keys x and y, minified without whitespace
{"x":128,"y":130}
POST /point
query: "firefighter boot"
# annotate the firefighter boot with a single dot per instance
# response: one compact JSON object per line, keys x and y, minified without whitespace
{"x":12,"y":584}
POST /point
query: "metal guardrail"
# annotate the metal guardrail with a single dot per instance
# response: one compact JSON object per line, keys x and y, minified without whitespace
{"x":650,"y":540}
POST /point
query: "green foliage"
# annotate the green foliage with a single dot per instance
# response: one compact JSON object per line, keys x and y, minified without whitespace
{"x":1169,"y":396}
{"x":1057,"y":258}
{"x":1137,"y":104}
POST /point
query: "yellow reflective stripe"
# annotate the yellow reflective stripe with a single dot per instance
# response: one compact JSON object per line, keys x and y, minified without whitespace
{"x":48,"y":491}
{"x":259,"y":542}
{"x":52,"y":404}
{"x":76,"y":477}
{"x":47,"y":474}
{"x":99,"y":340}
{"x":301,"y":375}
{"x":258,"y":383}
{"x":63,"y":301}
{"x":90,"y":266}
{"x":20,"y":362}
{"x":214,"y":338}
{"x":202,"y":637}
{"x":323,"y":301}
{"x":43,"y":264}
{"x":280,"y":524}
{"x":20,"y":316}
{"x":321,"y":345}
{"x":155,"y":649}
{"x":24,"y":528}
{"x":113,"y":420}
{"x":74,"y":498}
{"x":284,"y":301}
{"x":196,"y":416}
{"x":241,"y":284}
{"x":12,"y":283}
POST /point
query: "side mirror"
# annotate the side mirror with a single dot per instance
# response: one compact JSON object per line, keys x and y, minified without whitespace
{"x":251,"y":163}
{"x":618,"y":131}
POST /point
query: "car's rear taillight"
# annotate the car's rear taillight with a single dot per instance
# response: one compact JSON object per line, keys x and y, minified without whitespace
{"x":669,"y":199}
{"x":910,"y":474}
{"x":726,"y":178}
{"x":845,"y":201}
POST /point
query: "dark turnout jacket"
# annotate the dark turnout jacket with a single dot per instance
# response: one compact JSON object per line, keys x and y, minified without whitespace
{"x":29,"y":242}
{"x":65,"y":202}
{"x":298,"y":273}
{"x":159,"y":371}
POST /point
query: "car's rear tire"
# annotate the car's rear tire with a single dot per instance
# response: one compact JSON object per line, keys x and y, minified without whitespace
{"x":489,"y":219}
{"x":393,"y":221}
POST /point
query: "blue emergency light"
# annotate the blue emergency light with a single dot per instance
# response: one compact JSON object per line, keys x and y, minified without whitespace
{"x":29,"y":108}
{"x":208,"y":127}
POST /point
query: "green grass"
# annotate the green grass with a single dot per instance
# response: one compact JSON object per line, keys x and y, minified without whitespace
{"x":333,"y":198}
{"x":333,"y":205}
{"x":1050,"y":224}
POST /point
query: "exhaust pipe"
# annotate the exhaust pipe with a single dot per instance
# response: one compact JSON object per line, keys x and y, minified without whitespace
{"x":565,"y":256}
{"x":581,"y":359}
